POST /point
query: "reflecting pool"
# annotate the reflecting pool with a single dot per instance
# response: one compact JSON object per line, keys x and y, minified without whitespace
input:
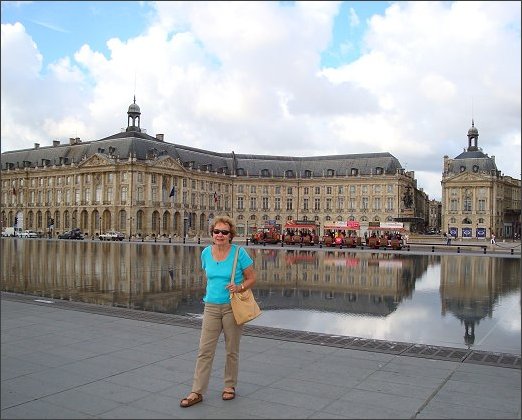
{"x":464,"y":301}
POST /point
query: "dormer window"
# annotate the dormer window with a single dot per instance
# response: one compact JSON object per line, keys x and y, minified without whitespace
{"x":462,"y":168}
{"x":330,"y":173}
{"x":265,"y":173}
{"x":379,"y":170}
{"x":240,"y":172}
{"x":475,"y":168}
{"x":354,"y":172}
{"x":289,"y":173}
{"x":307,"y":173}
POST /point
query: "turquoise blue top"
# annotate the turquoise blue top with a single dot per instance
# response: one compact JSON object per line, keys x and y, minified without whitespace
{"x":219,"y":273}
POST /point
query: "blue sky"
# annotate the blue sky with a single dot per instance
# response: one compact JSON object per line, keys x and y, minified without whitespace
{"x":282,"y":78}
{"x":62,"y":27}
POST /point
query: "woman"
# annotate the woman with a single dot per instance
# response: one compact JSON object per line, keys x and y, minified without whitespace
{"x":217,"y":261}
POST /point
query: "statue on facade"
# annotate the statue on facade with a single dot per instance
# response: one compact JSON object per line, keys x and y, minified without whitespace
{"x":407,"y":198}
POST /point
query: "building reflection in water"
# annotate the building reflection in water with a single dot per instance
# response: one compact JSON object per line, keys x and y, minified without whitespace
{"x":471,"y":287}
{"x":169,"y":279}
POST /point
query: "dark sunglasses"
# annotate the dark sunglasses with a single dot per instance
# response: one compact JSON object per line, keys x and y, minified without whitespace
{"x":218,"y":231}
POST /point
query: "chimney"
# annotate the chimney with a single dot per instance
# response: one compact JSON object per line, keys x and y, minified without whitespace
{"x":37,"y":145}
{"x":72,"y":140}
{"x":160,"y":137}
{"x":56,"y":143}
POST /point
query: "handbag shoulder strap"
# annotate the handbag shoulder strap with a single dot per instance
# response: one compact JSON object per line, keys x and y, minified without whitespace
{"x":234,"y":266}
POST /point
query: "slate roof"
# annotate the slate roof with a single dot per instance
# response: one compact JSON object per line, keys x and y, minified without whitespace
{"x":144,"y":146}
{"x":472,"y":161}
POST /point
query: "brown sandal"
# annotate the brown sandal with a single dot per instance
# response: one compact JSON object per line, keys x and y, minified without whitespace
{"x":188,"y":402}
{"x":229,"y":395}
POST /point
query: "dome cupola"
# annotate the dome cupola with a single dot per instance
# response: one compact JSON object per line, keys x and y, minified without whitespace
{"x":472,"y":137}
{"x":133,"y":114}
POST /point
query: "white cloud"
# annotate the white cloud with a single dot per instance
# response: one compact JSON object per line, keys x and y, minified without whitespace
{"x":246,"y":76}
{"x":353,"y":18}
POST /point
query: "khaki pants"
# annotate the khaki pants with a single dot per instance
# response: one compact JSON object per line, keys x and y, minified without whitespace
{"x":217,"y":318}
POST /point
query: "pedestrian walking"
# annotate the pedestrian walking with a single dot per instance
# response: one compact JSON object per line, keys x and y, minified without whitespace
{"x":493,"y":242}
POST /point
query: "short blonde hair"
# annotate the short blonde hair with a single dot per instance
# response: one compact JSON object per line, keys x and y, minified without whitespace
{"x":226,"y":220}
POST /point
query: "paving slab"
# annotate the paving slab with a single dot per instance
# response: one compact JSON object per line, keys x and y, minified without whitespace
{"x":128,"y":368}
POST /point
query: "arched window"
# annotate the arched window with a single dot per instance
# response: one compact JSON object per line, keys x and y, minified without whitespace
{"x":139,"y":220}
{"x":122,"y":223}
{"x":165,"y":221}
{"x":66,"y":220}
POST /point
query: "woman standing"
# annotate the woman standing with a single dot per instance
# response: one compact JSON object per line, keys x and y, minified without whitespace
{"x":217,"y":260}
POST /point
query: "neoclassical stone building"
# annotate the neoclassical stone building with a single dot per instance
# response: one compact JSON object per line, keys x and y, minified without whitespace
{"x":140,"y":184}
{"x":477,"y":199}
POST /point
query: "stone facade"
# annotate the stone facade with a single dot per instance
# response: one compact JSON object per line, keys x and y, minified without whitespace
{"x":142,"y":185}
{"x":477,"y":199}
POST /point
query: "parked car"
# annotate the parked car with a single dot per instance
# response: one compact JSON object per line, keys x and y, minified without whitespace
{"x":112,"y":235}
{"x":28,"y":234}
{"x":11,"y":231}
{"x":75,"y":233}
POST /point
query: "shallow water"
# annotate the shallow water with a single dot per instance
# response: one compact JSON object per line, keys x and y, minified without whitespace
{"x":464,"y":301}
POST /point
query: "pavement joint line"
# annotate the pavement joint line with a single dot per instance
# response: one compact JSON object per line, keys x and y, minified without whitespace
{"x":460,"y":355}
{"x":433,"y":394}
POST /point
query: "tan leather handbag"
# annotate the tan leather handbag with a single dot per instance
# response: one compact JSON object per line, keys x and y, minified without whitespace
{"x":244,"y":305}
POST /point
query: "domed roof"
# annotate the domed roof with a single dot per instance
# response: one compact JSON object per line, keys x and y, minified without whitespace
{"x":134,"y":108}
{"x":473,"y":130}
